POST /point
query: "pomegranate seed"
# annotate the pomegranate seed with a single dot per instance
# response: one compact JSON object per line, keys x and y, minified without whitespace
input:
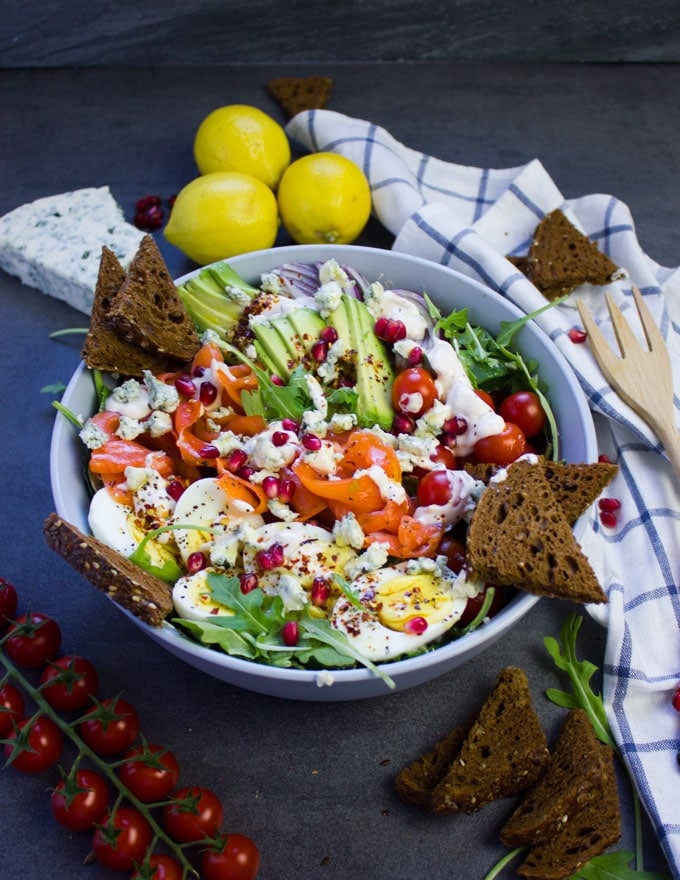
{"x":328,"y":334}
{"x":236,"y":460}
{"x":197,"y":372}
{"x":271,"y":558}
{"x":290,"y":633}
{"x":455,"y":426}
{"x":603,"y":458}
{"x":319,"y":351}
{"x":403,"y":425}
{"x":320,"y":591}
{"x":276,"y":380}
{"x":147,"y":202}
{"x":675,"y":702}
{"x":270,"y":487}
{"x":311,"y":442}
{"x":391,"y":331}
{"x":175,"y":489}
{"x":276,"y":551}
{"x":171,"y":201}
{"x":280,"y":438}
{"x":415,"y":356}
{"x":577,"y":336}
{"x":196,"y":562}
{"x":184,"y":385}
{"x":290,"y":425}
{"x":207,"y":393}
{"x":415,"y":626}
{"x":609,"y":504}
{"x":286,"y":490}
{"x":208,"y":451}
{"x":150,"y":219}
{"x":608,"y":518}
{"x":245,"y":472}
{"x":248,"y":581}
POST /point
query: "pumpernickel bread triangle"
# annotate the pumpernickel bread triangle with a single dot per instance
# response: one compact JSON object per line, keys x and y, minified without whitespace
{"x":572,"y":780}
{"x":416,"y":782}
{"x":504,"y":752}
{"x":561,"y":258}
{"x":582,"y":835}
{"x":295,"y":94}
{"x":104,"y":349}
{"x":147,"y":310}
{"x":146,"y":596}
{"x":519,"y":536}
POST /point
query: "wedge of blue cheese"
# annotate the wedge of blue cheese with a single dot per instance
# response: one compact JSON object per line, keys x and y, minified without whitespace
{"x":54,"y":244}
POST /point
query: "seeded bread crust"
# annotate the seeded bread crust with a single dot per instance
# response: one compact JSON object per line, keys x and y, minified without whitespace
{"x":147,"y":310}
{"x":583,"y":835}
{"x":518,"y":536}
{"x":572,"y":780}
{"x":104,"y":349}
{"x":504,"y":753}
{"x":295,"y":94}
{"x":147,"y":597}
{"x":561,"y":258}
{"x":416,"y":782}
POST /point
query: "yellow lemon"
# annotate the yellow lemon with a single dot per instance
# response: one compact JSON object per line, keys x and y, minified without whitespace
{"x":242,"y":138}
{"x":324,"y":198}
{"x":219,"y":215}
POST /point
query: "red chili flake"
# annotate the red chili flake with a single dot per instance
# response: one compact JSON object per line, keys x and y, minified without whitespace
{"x":577,"y":335}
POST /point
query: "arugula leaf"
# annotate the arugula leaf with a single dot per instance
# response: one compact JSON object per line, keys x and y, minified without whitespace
{"x":212,"y":633}
{"x":580,"y":673}
{"x":68,"y":414}
{"x":615,"y":866}
{"x":342,"y":400}
{"x":54,"y":388}
{"x":251,"y":613}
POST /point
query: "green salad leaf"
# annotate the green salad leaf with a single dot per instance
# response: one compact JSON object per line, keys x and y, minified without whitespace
{"x":615,"y":866}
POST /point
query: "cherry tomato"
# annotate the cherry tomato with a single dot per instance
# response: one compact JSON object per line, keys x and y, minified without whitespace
{"x":43,"y":745}
{"x":11,"y":707}
{"x":111,"y":727}
{"x":474,"y":605}
{"x":159,"y":867}
{"x":434,"y":488}
{"x":34,"y":638}
{"x":78,"y":806}
{"x":486,"y":397}
{"x":413,"y":392}
{"x":8,"y":602}
{"x":68,"y":683}
{"x":150,"y":779}
{"x":523,"y":408}
{"x":454,"y":550}
{"x":193,"y":813}
{"x":443,"y":455}
{"x":501,"y":448}
{"x":122,"y":839}
{"x":236,"y":857}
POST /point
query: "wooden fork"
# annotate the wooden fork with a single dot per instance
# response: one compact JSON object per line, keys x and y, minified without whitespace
{"x":643,"y":378}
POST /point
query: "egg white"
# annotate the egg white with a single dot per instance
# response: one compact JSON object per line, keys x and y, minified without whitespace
{"x":371,"y":637}
{"x":113,"y":523}
{"x":192,"y":598}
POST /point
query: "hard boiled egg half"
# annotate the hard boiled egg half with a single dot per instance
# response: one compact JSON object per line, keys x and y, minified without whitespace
{"x":397,"y":611}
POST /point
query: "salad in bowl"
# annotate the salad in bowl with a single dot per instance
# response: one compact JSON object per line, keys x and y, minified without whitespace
{"x":301,"y":484}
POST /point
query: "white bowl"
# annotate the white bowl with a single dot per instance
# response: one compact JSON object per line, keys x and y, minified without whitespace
{"x":449,"y":290}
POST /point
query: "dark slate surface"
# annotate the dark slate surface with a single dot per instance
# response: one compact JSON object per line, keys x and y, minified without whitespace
{"x":312,"y":783}
{"x":173,"y":32}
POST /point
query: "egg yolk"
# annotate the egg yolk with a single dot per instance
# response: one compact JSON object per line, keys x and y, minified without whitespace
{"x":408,"y":596}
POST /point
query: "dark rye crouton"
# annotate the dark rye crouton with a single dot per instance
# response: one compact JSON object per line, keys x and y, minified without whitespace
{"x":295,"y":94}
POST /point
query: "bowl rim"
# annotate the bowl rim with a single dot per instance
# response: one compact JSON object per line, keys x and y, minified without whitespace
{"x":175,"y":640}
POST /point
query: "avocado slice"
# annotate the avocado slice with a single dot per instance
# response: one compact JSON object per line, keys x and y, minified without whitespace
{"x":216,"y":298}
{"x":284,"y":342}
{"x":374,"y":375}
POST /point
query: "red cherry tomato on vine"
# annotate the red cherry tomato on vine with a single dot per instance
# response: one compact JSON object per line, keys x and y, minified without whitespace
{"x":523,"y":408}
{"x":8,"y":602}
{"x":413,"y":392}
{"x":34,"y":638}
{"x":161,"y":867}
{"x":43,"y":746}
{"x":11,"y":707}
{"x":110,"y":727}
{"x":68,"y":683}
{"x":150,"y":779}
{"x":235,"y":858}
{"x":434,"y":488}
{"x":503,"y":448}
{"x":122,"y":839}
{"x":193,"y":813}
{"x":77,"y":807}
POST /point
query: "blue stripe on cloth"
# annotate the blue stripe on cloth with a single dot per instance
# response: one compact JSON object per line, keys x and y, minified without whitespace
{"x":524,"y":199}
{"x":481,"y":199}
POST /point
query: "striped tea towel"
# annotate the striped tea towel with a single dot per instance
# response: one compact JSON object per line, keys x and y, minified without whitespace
{"x":470,"y":219}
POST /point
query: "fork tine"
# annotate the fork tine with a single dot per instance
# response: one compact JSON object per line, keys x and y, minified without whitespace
{"x":655,"y":340}
{"x":624,"y":335}
{"x":598,"y":344}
